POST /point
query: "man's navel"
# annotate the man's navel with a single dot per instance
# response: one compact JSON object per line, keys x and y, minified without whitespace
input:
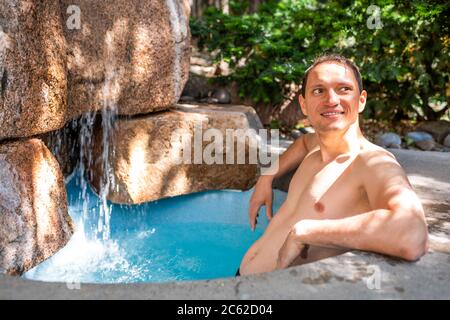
{"x":319,"y":207}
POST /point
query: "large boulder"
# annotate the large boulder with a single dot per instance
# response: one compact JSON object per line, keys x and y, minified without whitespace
{"x":142,"y":154}
{"x":34,"y":222}
{"x":33,"y":89}
{"x":131,"y":54}
{"x":60,"y":59}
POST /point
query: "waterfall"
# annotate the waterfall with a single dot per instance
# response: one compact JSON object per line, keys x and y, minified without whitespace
{"x":108,"y":117}
{"x":110,"y":92}
{"x":86,"y":125}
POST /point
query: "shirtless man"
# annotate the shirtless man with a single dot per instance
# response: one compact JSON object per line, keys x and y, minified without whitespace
{"x":346,"y":194}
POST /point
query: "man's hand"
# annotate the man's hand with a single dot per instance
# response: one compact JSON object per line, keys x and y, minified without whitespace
{"x":263,"y":195}
{"x":292,"y":247}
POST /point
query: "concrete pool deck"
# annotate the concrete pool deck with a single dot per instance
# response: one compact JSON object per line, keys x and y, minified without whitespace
{"x":354,"y":275}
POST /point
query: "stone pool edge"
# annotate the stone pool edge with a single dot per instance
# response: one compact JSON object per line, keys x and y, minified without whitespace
{"x":354,"y":275}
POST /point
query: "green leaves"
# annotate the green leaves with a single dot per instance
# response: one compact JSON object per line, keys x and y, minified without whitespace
{"x":408,"y":57}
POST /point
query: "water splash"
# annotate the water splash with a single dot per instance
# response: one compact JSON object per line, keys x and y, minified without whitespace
{"x":82,"y":258}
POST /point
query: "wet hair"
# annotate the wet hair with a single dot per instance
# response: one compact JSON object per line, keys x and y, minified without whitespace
{"x":332,"y":57}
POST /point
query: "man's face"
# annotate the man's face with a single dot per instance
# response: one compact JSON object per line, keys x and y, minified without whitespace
{"x":332,"y":99}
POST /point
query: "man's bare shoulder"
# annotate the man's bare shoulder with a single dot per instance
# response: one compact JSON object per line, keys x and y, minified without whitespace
{"x":375,"y":159}
{"x":385,"y":181}
{"x":371,"y":152}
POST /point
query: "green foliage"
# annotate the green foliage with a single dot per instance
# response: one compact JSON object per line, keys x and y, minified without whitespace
{"x":404,"y":64}
{"x":275,"y":124}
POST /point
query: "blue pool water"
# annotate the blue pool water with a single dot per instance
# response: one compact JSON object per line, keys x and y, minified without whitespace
{"x":192,"y":237}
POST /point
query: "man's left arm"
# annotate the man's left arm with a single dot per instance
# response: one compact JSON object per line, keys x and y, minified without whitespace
{"x":396,"y":227}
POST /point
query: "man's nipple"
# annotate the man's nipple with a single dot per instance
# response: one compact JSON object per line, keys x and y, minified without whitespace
{"x":319,"y":207}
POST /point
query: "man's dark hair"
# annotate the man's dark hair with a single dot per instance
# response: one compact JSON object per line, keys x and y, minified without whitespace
{"x":332,"y":57}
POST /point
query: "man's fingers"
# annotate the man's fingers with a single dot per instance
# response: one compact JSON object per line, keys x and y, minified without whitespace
{"x":252,"y":214}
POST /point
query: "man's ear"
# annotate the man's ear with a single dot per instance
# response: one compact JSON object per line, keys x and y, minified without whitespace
{"x":362,"y":101}
{"x":301,"y":100}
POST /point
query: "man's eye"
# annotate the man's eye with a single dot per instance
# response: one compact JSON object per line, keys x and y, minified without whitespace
{"x":346,"y":89}
{"x":317,"y":91}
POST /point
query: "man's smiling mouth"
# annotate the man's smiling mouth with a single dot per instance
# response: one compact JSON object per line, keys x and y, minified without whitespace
{"x":331,"y":113}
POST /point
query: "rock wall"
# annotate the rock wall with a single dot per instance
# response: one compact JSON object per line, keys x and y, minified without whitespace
{"x":33,"y":94}
{"x":59,"y":59}
{"x":34,"y":222}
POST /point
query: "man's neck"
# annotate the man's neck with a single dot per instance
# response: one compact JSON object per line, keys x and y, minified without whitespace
{"x":332,"y":144}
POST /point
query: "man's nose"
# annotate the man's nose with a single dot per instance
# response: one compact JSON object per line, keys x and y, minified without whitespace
{"x":332,"y":98}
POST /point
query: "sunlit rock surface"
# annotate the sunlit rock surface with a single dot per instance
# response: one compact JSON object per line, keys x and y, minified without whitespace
{"x":33,"y":86}
{"x":142,"y":155}
{"x":133,"y":54}
{"x":59,"y":59}
{"x":34,"y":221}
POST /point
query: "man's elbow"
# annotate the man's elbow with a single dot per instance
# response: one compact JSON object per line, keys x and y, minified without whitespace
{"x":413,"y":253}
{"x":415,"y":243}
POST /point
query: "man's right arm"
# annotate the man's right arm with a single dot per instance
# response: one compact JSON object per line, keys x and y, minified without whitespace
{"x":289,"y":160}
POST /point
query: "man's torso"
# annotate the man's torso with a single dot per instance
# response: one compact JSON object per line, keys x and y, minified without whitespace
{"x":317,"y":191}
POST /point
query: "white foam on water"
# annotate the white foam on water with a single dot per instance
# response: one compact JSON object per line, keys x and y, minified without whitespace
{"x":80,"y":257}
{"x":146,"y":234}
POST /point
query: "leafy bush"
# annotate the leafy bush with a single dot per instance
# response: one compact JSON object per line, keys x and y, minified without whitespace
{"x":404,"y":64}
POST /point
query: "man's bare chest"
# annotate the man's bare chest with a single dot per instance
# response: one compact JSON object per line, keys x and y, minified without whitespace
{"x":329,"y":191}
